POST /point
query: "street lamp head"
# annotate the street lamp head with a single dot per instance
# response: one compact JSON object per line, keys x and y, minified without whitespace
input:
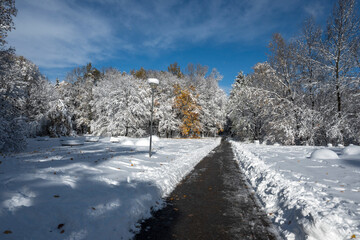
{"x":154,"y":82}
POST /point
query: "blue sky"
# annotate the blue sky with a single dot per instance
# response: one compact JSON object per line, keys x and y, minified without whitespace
{"x":230,"y":36}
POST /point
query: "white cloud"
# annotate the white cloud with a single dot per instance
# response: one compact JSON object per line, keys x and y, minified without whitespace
{"x":315,"y":8}
{"x":56,"y":34}
{"x":64,"y":33}
{"x":164,"y":24}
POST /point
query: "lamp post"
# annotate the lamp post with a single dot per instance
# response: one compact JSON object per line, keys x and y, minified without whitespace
{"x":153,"y":84}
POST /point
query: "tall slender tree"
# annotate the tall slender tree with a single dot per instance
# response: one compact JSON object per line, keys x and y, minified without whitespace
{"x":341,"y":49}
{"x":341,"y":54}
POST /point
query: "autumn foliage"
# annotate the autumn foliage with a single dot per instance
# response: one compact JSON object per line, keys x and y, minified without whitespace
{"x":189,"y":110}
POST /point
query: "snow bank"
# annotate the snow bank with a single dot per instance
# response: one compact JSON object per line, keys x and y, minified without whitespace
{"x":351,"y":150}
{"x":91,"y":139}
{"x":168,"y":176}
{"x":155,"y":138}
{"x":323,"y":154}
{"x":42,"y":138}
{"x":99,"y":190}
{"x":144,"y":142}
{"x":128,"y":143}
{"x":72,"y":142}
{"x":114,"y":139}
{"x":305,"y":198}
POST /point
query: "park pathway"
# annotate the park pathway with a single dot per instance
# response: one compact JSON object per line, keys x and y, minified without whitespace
{"x":212,"y":202}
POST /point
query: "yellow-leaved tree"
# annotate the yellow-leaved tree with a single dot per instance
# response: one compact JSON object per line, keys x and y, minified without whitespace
{"x":186,"y":102}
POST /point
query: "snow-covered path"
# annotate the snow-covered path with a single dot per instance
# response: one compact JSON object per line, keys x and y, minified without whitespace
{"x":98,"y":190}
{"x":212,"y":202}
{"x":307,"y":198}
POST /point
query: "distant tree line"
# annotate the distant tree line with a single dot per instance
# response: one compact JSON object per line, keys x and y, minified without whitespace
{"x":308,"y":92}
{"x":116,"y":103}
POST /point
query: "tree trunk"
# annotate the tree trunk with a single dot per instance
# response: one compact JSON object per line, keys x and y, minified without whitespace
{"x":338,"y":95}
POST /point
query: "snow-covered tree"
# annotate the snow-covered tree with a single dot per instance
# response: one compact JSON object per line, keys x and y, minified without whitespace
{"x":59,"y":120}
{"x":121,"y":105}
{"x":311,"y":79}
{"x":256,"y":107}
{"x":309,"y":62}
{"x":242,"y":122}
{"x":310,"y":87}
{"x":212,"y":100}
{"x":166,"y":120}
{"x":12,"y":130}
{"x":341,"y":54}
{"x":7,"y":12}
{"x":82,"y":80}
{"x":11,"y":126}
{"x":37,"y":94}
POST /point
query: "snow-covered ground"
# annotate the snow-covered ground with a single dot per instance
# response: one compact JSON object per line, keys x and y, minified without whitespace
{"x":315,"y":197}
{"x":98,"y":190}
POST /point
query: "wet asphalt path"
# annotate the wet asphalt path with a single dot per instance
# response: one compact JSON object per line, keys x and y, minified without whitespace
{"x":212,"y":202}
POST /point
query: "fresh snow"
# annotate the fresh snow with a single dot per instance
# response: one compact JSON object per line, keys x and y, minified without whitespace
{"x":323,"y":154}
{"x":306,"y":198}
{"x":98,"y":190}
{"x":351,"y":150}
{"x":153,"y":81}
{"x":72,"y":142}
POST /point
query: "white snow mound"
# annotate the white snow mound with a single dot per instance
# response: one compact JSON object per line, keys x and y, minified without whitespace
{"x":324,"y":154}
{"x":72,"y":143}
{"x":114,"y":139}
{"x":143,"y":142}
{"x":155,"y":138}
{"x":91,"y":139}
{"x":351,"y":150}
{"x":128,"y":143}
